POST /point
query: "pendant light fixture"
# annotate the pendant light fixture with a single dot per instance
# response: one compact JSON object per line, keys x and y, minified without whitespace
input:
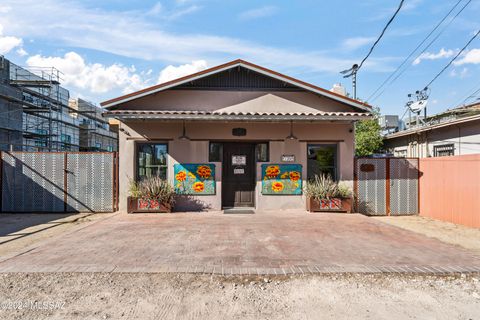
{"x":184,"y":136}
{"x":291,"y":136}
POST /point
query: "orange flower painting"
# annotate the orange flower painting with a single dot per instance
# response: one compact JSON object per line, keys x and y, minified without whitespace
{"x":277,"y":186}
{"x":272,"y":171}
{"x":204,"y":172}
{"x":294,"y":175}
{"x":194,"y":179}
{"x":282,"y":179}
{"x":198,"y":186}
{"x":181,"y":176}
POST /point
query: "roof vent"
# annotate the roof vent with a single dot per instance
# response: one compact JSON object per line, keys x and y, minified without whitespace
{"x":339,"y":89}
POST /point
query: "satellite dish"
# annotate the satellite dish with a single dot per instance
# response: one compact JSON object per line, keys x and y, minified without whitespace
{"x":418,"y":106}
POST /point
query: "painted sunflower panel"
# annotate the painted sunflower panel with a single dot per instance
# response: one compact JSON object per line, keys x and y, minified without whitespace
{"x":194,"y":179}
{"x":282,"y":179}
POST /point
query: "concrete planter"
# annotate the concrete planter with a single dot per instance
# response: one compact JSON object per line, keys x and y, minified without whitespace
{"x":136,"y":205}
{"x":330,"y":205}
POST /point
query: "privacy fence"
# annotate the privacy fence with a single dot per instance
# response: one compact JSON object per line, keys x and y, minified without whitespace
{"x":450,"y":189}
{"x":387,"y":186}
{"x":59,"y":181}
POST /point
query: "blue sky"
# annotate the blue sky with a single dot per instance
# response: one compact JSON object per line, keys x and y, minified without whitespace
{"x":107,"y":48}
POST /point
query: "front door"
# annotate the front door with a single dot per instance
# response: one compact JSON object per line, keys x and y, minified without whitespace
{"x":238,"y":175}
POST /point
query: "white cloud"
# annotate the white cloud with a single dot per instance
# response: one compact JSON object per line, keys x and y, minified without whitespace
{"x":93,"y":77}
{"x":8,"y":43}
{"x":172,"y":72}
{"x":21,"y":52}
{"x":442,"y":54}
{"x":357,"y":42}
{"x":471,"y":57}
{"x":135,"y":36}
{"x":258,"y":13}
{"x":461,"y":74}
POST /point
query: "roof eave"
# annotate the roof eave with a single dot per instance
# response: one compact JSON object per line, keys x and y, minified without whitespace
{"x":255,"y":118}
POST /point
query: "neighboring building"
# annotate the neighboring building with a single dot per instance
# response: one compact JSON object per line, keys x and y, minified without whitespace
{"x":95,"y":131}
{"x":454,"y":132}
{"x":45,"y":122}
{"x":242,"y":124}
{"x":11,"y":111}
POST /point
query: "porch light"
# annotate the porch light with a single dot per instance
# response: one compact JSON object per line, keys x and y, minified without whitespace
{"x":291,"y":136}
{"x":183,"y":137}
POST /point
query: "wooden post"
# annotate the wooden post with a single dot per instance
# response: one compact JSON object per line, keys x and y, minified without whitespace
{"x":387,"y":187}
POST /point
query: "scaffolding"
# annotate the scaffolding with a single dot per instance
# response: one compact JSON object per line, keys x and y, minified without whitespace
{"x":95,"y":131}
{"x":48,"y":124}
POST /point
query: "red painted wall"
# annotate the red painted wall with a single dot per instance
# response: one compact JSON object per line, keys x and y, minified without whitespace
{"x":450,"y":189}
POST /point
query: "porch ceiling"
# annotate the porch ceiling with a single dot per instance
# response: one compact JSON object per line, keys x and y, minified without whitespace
{"x":239,"y":116}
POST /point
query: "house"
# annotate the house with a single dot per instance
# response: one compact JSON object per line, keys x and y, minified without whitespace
{"x":453,"y":132}
{"x":235,"y":135}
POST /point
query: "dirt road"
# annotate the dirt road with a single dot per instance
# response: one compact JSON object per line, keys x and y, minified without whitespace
{"x":174,"y":296}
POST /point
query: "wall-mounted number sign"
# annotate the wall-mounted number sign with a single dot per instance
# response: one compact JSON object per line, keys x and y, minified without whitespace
{"x":238,"y":171}
{"x":288,"y":158}
{"x":239,"y":160}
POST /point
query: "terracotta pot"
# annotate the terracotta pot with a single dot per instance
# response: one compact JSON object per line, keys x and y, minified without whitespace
{"x":136,"y":205}
{"x":329,"y":205}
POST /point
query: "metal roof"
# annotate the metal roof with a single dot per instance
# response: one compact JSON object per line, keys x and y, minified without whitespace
{"x":432,"y":127}
{"x":240,"y":116}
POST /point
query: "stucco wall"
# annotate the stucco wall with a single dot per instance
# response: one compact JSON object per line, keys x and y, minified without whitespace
{"x":196,"y":151}
{"x":214,"y":100}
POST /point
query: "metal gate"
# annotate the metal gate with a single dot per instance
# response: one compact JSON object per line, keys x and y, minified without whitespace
{"x":386,"y":186}
{"x":59,"y":181}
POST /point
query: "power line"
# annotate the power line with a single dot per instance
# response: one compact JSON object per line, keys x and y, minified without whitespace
{"x":451,"y":61}
{"x":417,"y":47}
{"x":471,"y":95}
{"x":352,"y":72}
{"x":381,"y":34}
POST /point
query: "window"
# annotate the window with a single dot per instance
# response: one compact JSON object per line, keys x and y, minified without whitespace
{"x":322,"y":159}
{"x":42,"y":140}
{"x":66,"y":138}
{"x":444,"y":150}
{"x":262,"y":152}
{"x":98,"y":145}
{"x":215,"y":152}
{"x":110,"y":148}
{"x":401,"y":153}
{"x":151,"y":160}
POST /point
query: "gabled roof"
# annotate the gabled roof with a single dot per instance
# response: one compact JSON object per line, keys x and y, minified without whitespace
{"x":236,"y":63}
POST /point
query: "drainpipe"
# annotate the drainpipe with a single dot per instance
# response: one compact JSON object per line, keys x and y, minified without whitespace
{"x":459,"y":140}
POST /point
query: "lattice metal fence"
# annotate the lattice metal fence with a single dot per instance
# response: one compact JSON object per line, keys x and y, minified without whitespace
{"x":386,"y":186}
{"x":58,"y":182}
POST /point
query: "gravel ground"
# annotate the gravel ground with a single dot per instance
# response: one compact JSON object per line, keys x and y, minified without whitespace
{"x":184,"y":296}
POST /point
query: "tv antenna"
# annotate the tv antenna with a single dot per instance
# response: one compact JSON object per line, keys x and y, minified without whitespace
{"x":417,"y":102}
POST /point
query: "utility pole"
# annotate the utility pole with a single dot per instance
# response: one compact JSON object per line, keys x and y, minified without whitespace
{"x":352,"y":72}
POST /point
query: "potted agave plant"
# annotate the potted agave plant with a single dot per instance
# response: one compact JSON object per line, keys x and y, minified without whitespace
{"x":152,"y":194}
{"x":324,"y":194}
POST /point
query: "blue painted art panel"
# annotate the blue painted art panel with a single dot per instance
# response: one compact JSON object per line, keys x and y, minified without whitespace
{"x":194,"y":179}
{"x":282,"y":179}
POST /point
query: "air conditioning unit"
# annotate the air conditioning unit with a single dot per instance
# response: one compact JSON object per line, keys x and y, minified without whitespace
{"x":388,"y":122}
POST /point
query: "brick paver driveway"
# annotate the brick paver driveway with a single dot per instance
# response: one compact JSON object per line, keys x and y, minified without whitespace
{"x":275,"y":243}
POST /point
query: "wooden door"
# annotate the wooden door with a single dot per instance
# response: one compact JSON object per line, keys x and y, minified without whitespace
{"x":238,"y":175}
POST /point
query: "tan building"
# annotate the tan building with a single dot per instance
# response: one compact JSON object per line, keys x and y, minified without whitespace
{"x":450,"y":133}
{"x":236,"y":135}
